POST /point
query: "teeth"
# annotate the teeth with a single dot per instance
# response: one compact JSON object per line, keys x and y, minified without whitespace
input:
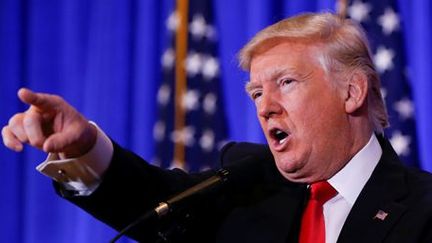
{"x":280,"y":135}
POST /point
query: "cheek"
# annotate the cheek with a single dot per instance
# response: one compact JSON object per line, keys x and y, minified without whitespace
{"x":304,"y":116}
{"x":316,"y":110}
{"x":314,"y":123}
{"x":320,"y":127}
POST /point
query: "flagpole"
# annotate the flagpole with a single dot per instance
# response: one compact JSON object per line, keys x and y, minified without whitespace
{"x":341,"y":8}
{"x":180,"y":79}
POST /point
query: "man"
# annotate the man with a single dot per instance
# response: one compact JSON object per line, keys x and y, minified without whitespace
{"x":318,"y":100}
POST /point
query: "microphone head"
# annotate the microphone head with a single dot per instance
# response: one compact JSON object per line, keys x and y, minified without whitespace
{"x":251,"y":163}
{"x":248,"y":164}
{"x":233,"y":152}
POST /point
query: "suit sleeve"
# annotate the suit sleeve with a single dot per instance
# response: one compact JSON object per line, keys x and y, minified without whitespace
{"x":129,"y":188}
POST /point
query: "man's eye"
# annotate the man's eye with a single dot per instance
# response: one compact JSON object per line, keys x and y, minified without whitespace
{"x":255,"y":95}
{"x":285,"y":81}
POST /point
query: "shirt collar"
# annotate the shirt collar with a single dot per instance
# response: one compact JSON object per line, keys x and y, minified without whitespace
{"x":350,"y":180}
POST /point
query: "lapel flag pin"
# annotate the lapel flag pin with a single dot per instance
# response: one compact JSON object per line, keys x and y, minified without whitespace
{"x":381,"y":215}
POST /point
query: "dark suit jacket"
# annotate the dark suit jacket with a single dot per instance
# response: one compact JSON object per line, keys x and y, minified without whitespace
{"x":269,"y":211}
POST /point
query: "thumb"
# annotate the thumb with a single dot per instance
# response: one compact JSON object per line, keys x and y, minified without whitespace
{"x":72,"y":143}
{"x":56,"y":143}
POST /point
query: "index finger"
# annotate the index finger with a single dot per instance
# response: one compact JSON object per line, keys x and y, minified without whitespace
{"x":39,"y":100}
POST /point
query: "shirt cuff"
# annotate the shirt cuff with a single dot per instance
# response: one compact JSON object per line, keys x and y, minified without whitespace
{"x":81,"y":175}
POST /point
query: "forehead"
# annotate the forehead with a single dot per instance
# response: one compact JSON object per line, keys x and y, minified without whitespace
{"x":285,"y":57}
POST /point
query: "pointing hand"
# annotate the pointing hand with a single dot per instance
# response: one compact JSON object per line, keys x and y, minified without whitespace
{"x":50,"y":124}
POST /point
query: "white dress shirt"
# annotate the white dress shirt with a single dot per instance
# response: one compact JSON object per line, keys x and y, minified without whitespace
{"x":349,"y":182}
{"x":81,"y":175}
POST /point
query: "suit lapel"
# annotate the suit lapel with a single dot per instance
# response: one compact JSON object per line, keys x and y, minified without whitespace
{"x":378,"y":206}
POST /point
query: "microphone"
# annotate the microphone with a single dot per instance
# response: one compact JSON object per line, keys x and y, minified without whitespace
{"x":242,"y":168}
{"x":165,"y":207}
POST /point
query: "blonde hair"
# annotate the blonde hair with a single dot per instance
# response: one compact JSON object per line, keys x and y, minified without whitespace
{"x":346,"y":49}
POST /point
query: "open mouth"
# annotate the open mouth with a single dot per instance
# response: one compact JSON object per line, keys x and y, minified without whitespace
{"x":279,"y":135}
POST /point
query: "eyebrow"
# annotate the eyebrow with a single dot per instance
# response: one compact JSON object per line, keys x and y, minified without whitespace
{"x":270,"y":75}
{"x":275,"y":74}
{"x":250,"y":86}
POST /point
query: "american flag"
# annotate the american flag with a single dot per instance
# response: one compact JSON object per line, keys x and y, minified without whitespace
{"x":381,"y":215}
{"x":203,"y":130}
{"x":383,"y":26}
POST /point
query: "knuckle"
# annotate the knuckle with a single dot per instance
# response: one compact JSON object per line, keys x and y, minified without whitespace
{"x":8,"y":143}
{"x":4,"y":132}
{"x":31,"y":119}
{"x":57,"y":99}
{"x":28,"y":120}
{"x":15,"y":131}
{"x":7,"y":140}
{"x":15,"y":120}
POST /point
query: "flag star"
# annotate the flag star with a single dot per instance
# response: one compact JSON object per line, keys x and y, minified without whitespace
{"x":185,"y":136}
{"x":359,"y":11}
{"x":159,"y":131}
{"x":163,"y":95}
{"x":168,"y":58}
{"x":193,"y":63}
{"x":198,"y":26}
{"x":389,"y":21}
{"x":207,"y":140}
{"x":210,"y":68}
{"x":400,"y":143}
{"x":172,"y":22}
{"x":209,"y":103}
{"x":405,"y":108}
{"x":383,"y":59}
{"x":190,"y":100}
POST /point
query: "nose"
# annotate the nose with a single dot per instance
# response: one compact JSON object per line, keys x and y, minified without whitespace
{"x":268,"y":106}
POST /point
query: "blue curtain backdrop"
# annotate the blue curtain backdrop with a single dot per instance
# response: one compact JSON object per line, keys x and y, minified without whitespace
{"x":103,"y":56}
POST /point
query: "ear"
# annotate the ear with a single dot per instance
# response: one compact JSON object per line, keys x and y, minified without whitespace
{"x":356,"y":92}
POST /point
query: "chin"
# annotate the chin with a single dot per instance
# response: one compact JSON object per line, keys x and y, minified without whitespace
{"x":288,"y":170}
{"x":298,"y":177}
{"x":293,"y":172}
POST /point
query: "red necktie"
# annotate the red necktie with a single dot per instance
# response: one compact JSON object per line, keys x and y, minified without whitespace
{"x":312,"y":225}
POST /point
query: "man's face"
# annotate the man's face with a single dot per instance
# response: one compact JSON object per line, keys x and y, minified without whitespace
{"x":301,"y":111}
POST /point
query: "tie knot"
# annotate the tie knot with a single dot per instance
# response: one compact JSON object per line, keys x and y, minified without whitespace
{"x":322,"y":191}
